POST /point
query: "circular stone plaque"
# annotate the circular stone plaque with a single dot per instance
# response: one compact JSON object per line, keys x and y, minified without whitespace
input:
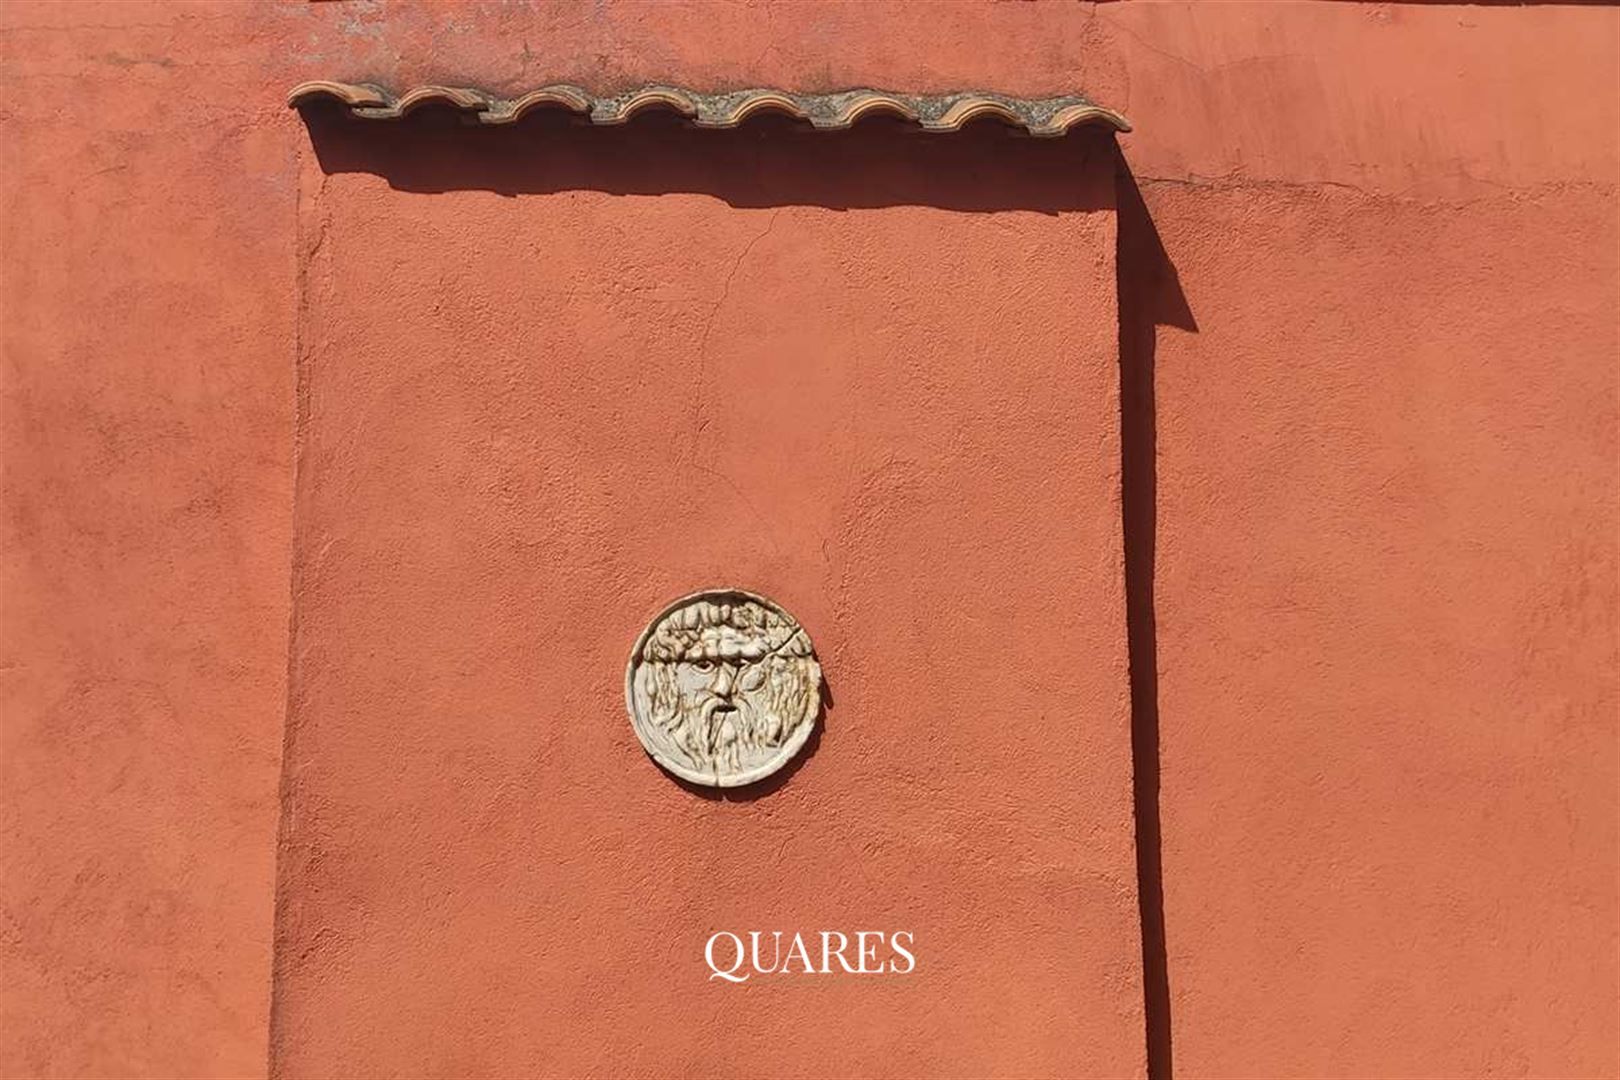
{"x":723,"y":688}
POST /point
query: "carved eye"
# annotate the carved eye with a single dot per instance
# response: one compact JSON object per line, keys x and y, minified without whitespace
{"x":703,"y":665}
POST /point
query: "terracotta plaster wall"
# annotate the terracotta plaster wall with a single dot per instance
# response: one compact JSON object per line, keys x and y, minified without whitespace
{"x":1386,"y":615}
{"x":888,"y":402}
{"x":1386,"y":543}
{"x":145,"y":432}
{"x":1385,"y":493}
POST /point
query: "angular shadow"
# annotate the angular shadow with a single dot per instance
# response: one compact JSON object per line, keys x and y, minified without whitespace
{"x":768,"y":161}
{"x":1149,"y":296}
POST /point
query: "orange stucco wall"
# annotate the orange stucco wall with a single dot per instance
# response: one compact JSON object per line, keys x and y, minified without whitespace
{"x":1374,"y":496}
{"x":546,"y":412}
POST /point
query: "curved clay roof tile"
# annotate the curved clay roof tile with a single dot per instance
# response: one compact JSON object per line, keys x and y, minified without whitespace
{"x":827,"y":112}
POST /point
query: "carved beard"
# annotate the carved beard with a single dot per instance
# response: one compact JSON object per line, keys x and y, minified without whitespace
{"x":760,"y":721}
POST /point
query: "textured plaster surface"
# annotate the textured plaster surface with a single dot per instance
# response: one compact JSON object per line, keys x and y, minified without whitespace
{"x":145,"y":309}
{"x":546,"y":414}
{"x":1386,"y":602}
{"x":1386,"y":582}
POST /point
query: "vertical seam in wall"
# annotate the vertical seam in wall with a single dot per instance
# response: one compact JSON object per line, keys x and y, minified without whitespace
{"x":294,"y":570}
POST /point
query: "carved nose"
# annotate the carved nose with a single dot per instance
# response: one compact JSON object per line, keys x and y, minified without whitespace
{"x":725,"y":680}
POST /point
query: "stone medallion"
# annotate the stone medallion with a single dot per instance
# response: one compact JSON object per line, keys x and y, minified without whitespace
{"x":723,"y":688}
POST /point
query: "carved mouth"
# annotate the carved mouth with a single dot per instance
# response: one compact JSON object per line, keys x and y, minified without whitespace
{"x":716,"y":708}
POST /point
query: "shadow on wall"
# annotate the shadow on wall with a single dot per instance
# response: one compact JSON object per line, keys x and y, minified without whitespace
{"x":776,"y":161}
{"x":769,"y":161}
{"x":1149,"y":297}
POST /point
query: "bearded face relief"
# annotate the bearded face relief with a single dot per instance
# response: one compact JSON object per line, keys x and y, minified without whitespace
{"x":723,"y":688}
